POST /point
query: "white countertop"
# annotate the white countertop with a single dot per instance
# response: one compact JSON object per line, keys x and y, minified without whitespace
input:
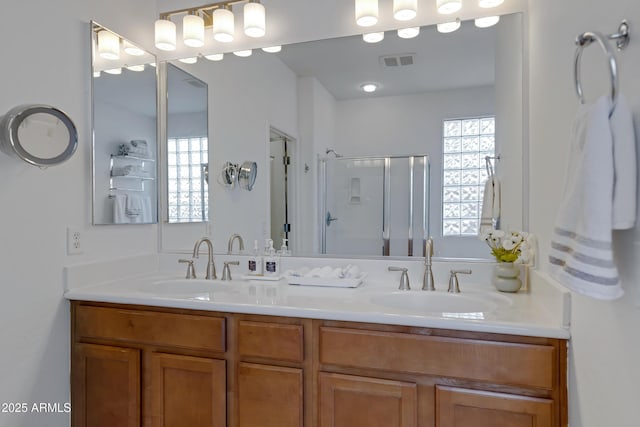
{"x":542,"y":311}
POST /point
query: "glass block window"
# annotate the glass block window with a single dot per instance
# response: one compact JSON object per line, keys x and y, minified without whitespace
{"x":465,"y":144}
{"x":187,"y":164}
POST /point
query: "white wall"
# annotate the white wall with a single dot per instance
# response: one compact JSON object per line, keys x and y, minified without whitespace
{"x":604,"y":376}
{"x":47,"y":61}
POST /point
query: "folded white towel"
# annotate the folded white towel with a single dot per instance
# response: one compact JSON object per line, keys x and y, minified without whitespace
{"x":134,"y":205}
{"x":491,"y":206}
{"x":581,"y":253}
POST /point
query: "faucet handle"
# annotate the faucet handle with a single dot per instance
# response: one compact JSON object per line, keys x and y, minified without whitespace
{"x":454,"y":285}
{"x":226,"y":271}
{"x":404,"y":278}
{"x":191,"y":271}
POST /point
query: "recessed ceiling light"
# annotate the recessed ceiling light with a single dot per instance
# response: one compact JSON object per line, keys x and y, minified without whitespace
{"x":369,"y":87}
{"x":373,"y":37}
{"x":487,"y":21}
{"x":449,"y":27}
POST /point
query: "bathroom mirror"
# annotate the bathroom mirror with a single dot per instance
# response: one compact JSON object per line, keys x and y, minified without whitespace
{"x":40,"y":135}
{"x":312,"y":92}
{"x":124,"y":122}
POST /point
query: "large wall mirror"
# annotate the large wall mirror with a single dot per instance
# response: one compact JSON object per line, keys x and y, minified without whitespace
{"x":125,"y":147}
{"x":413,"y":150}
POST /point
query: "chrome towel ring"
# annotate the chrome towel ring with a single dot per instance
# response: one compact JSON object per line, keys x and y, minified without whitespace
{"x":585,"y":39}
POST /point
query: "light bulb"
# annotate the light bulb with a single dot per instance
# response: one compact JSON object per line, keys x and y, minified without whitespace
{"x":108,"y":45}
{"x":243,"y":53}
{"x":487,"y":21}
{"x":366,"y":12}
{"x":215,"y":57}
{"x":408,"y":33}
{"x":193,"y":31}
{"x":254,"y":20}
{"x":405,"y":10}
{"x":449,"y":27}
{"x":272,"y":49}
{"x":223,"y":25}
{"x":373,"y":37}
{"x":165,"y":35}
{"x":489,"y":3}
{"x":190,"y":60}
{"x":447,"y":7}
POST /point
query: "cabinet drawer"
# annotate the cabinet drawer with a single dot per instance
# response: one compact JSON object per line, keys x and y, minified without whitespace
{"x":270,"y":340}
{"x":513,"y":364}
{"x":151,"y":328}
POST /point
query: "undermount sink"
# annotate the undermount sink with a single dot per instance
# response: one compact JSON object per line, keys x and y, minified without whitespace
{"x":441,"y":302}
{"x":188,"y":287}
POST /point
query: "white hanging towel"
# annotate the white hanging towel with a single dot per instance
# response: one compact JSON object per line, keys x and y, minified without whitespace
{"x":581,"y":253}
{"x":119,"y":209}
{"x":491,"y":205}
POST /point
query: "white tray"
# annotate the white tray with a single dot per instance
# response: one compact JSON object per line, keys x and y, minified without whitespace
{"x":326,"y":281}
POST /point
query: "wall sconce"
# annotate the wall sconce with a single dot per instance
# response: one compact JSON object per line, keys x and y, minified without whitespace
{"x":405,"y":10}
{"x":373,"y":37}
{"x":219,"y":16}
{"x":487,"y":21}
{"x":272,"y":49}
{"x":366,"y":12}
{"x":449,"y":27}
{"x":408,"y":33}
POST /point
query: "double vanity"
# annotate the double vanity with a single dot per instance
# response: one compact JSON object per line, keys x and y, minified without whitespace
{"x":152,"y":348}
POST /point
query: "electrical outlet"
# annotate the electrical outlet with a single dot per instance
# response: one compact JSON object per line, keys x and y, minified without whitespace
{"x":74,"y":241}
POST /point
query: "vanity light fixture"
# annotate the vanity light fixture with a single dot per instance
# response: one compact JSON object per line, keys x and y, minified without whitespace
{"x":369,"y":87}
{"x":447,"y":7}
{"x":215,"y":57}
{"x":131,"y":49}
{"x":217,"y":16}
{"x":108,"y":45}
{"x":487,"y":21}
{"x":408,"y":33}
{"x":449,"y":27}
{"x":373,"y":37}
{"x":489,"y":3}
{"x":366,"y":12}
{"x":137,"y":68}
{"x":114,"y":71}
{"x":190,"y":60}
{"x":165,"y":34}
{"x":243,"y":53}
{"x":254,"y":19}
{"x":193,"y":30}
{"x":272,"y":49}
{"x":405,"y":10}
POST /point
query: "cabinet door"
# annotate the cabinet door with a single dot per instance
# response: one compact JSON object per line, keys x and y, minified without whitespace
{"x":187,"y":391}
{"x":106,"y":386}
{"x":350,"y":401}
{"x":269,"y":396}
{"x":474,"y":408}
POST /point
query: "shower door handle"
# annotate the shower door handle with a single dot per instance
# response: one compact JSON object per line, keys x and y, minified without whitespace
{"x":329,"y":219}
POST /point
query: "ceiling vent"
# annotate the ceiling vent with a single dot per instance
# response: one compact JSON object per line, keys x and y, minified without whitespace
{"x":400,"y":60}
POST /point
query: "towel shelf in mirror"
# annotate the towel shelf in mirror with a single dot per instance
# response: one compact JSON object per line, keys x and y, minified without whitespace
{"x":40,"y":135}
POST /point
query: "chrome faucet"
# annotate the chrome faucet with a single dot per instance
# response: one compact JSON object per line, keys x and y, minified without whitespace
{"x":211,"y":266}
{"x":404,"y":278}
{"x":454,"y":285}
{"x":226,"y":271}
{"x":231,"y":240}
{"x":427,"y":279}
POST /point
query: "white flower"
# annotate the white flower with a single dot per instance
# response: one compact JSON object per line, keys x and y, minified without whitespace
{"x":509,"y":244}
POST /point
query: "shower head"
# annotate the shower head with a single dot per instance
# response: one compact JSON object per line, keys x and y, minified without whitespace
{"x":330,"y":150}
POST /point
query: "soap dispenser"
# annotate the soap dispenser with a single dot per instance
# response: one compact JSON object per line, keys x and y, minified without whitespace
{"x":255,"y":261}
{"x":284,"y":249}
{"x":271,"y":260}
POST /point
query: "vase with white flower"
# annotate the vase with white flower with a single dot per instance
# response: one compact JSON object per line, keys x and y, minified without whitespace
{"x":507,"y":247}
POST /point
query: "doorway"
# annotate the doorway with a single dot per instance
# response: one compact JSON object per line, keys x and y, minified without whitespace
{"x":281,"y":158}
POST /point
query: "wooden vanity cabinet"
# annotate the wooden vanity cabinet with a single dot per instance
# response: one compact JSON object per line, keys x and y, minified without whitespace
{"x":148,"y":366}
{"x":134,"y":366}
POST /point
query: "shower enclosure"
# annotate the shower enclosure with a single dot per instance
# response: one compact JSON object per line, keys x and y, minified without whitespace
{"x":374,"y":205}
